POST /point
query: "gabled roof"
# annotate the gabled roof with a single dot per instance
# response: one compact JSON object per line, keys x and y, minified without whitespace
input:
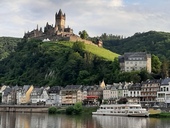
{"x":108,"y":87}
{"x":113,"y":88}
{"x":129,"y":55}
{"x":15,"y":88}
{"x":7,"y":91}
{"x":85,"y":88}
{"x":165,"y":81}
{"x":102,"y":85}
{"x":25,"y":88}
{"x":151,"y":81}
{"x":136,"y":86}
{"x":73,"y":87}
{"x":55,"y":89}
{"x":39,"y":91}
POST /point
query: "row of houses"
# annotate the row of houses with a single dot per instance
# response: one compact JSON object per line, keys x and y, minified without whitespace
{"x":56,"y":95}
{"x":147,"y":93}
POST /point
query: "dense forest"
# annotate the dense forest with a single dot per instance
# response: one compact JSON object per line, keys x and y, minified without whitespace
{"x":157,"y":43}
{"x":62,"y":63}
{"x":55,"y":63}
{"x":7,"y":46}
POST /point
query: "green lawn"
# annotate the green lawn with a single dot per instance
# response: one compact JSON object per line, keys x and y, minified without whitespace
{"x":98,"y":51}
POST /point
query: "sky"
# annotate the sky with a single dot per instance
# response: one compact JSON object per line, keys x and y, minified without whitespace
{"x":117,"y":17}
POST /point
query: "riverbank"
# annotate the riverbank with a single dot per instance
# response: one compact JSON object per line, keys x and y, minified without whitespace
{"x":24,"y":108}
{"x":160,"y":115}
{"x":85,"y":110}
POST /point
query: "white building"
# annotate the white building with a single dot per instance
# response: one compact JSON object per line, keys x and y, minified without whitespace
{"x":164,"y":94}
{"x":134,"y":93}
{"x":107,"y":92}
{"x":135,"y":61}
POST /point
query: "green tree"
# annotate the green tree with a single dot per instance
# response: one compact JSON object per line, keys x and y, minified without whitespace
{"x":78,"y":46}
{"x":156,"y":64}
{"x":69,"y":110}
{"x":165,"y":67}
{"x":78,"y":108}
{"x":52,"y":110}
{"x":83,"y":34}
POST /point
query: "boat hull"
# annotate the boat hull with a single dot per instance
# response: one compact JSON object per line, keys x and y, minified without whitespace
{"x":133,"y":110}
{"x":118,"y":114}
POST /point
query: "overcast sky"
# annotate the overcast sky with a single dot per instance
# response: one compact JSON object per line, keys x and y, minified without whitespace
{"x":118,"y":17}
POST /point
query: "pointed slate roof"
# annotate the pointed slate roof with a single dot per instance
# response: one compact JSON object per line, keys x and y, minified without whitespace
{"x":73,"y":87}
{"x":55,"y":89}
{"x":165,"y":81}
{"x":7,"y":91}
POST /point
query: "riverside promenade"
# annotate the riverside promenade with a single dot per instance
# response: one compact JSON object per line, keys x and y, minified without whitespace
{"x":24,"y":108}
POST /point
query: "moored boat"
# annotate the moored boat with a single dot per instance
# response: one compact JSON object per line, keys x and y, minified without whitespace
{"x":134,"y":110}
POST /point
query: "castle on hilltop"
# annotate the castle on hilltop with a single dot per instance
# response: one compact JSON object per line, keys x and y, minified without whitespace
{"x":57,"y":32}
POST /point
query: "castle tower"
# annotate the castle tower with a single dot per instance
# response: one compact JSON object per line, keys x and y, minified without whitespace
{"x":60,"y":21}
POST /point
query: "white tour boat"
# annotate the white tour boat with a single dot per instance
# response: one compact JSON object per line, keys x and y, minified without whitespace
{"x":122,"y":110}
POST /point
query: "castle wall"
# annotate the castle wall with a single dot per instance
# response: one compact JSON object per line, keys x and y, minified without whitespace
{"x":75,"y":38}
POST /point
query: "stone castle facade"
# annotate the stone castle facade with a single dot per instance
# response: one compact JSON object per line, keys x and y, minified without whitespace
{"x":57,"y":32}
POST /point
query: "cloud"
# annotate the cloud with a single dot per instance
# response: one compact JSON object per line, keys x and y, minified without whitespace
{"x":120,"y":17}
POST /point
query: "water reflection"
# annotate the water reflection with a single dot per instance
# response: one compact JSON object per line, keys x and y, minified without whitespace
{"x":42,"y":120}
{"x":121,"y":122}
{"x":131,"y":122}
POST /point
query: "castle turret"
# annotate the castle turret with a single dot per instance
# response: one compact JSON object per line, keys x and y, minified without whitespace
{"x":60,"y":21}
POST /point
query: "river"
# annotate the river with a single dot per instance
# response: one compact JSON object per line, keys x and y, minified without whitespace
{"x":43,"y":120}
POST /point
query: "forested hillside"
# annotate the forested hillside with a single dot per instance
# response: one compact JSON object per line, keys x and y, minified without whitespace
{"x":57,"y":63}
{"x":62,"y":63}
{"x":153,"y":42}
{"x":7,"y":45}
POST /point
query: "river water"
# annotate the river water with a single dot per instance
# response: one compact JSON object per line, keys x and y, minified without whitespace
{"x":43,"y":120}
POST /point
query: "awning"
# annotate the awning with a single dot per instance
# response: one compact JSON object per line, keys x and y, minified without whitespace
{"x":92,"y":97}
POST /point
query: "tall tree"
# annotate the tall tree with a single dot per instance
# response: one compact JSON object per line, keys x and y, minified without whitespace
{"x":165,"y":67}
{"x":83,"y":34}
{"x":156,"y":64}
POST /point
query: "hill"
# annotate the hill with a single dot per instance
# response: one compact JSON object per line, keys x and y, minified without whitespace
{"x":7,"y":45}
{"x":153,"y":42}
{"x":57,"y":63}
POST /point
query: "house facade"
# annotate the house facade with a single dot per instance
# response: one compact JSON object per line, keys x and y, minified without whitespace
{"x":39,"y":96}
{"x":163,"y":95}
{"x":54,"y":96}
{"x":134,"y":93}
{"x":71,"y":94}
{"x":25,"y":94}
{"x":135,"y":61}
{"x":149,"y":91}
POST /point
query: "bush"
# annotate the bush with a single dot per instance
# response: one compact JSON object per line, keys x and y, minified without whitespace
{"x":52,"y":110}
{"x":78,"y":108}
{"x":69,"y":110}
